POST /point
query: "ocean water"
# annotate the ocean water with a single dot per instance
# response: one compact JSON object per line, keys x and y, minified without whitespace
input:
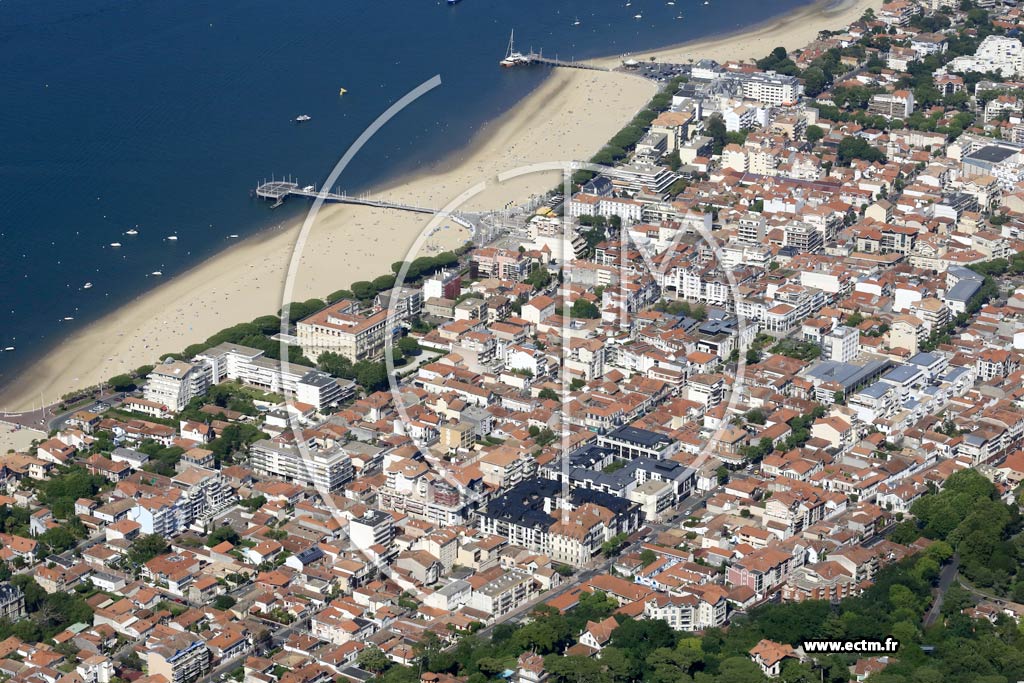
{"x":160,"y":117}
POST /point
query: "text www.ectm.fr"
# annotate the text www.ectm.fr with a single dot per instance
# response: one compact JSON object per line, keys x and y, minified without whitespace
{"x":836,"y":646}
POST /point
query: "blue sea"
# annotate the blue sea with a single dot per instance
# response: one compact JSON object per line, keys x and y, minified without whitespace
{"x":161,"y":117}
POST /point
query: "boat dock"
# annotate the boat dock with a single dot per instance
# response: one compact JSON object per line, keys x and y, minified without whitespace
{"x":516,"y":58}
{"x":279,"y":190}
{"x":539,"y":58}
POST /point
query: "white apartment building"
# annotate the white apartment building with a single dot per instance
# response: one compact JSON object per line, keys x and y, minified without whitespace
{"x":505,"y":594}
{"x":174,"y":383}
{"x":1000,"y":54}
{"x":324,"y":468}
{"x":373,"y":528}
{"x":206,"y":494}
{"x":249,"y":366}
{"x":842,"y":344}
{"x":777,"y":90}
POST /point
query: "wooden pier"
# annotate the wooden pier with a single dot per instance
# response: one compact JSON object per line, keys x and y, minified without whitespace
{"x":539,"y":58}
{"x":279,"y":190}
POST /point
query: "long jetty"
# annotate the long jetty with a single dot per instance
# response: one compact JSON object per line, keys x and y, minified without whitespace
{"x":539,"y":58}
{"x":279,"y":190}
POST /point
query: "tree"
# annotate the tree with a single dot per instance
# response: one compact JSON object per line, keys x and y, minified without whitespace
{"x":714,"y":128}
{"x":815,"y":81}
{"x":642,"y":636}
{"x":373,"y":659}
{"x":582,"y":308}
{"x":409,"y":346}
{"x":852,"y":147}
{"x":574,"y":669}
{"x":335,"y":364}
{"x":814,"y":134}
{"x":548,"y":394}
{"x":648,"y":556}
{"x":614,"y":545}
{"x":224,"y":602}
{"x":145,"y":548}
{"x":221,"y":534}
{"x":122,"y":383}
{"x":371,"y":376}
{"x":539,"y":278}
{"x":297,"y":310}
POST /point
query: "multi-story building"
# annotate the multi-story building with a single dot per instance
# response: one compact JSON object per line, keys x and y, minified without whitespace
{"x":1000,"y":54}
{"x":165,"y":515}
{"x":895,"y":105}
{"x":320,"y":390}
{"x":842,"y":344}
{"x":773,"y":89}
{"x":344,"y":329}
{"x":648,"y":178}
{"x":206,"y":494}
{"x":178,"y":656}
{"x":538,"y":515}
{"x":803,"y":237}
{"x":413,"y":488}
{"x":174,"y":383}
{"x":408,"y":302}
{"x":12,"y":603}
{"x":444,"y":284}
{"x":630,"y":442}
{"x":505,"y":594}
{"x":504,"y":264}
{"x":324,"y":468}
{"x":372,"y":528}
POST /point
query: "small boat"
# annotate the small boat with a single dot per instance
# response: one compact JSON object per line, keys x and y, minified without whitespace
{"x":670,"y":2}
{"x":341,"y":91}
{"x":115,"y":244}
{"x":133,"y":231}
{"x":172,"y":237}
{"x":157,"y":273}
{"x":302,"y":117}
{"x":8,"y":348}
{"x":308,"y":188}
{"x":452,"y":2}
{"x":232,"y":237}
{"x":577,"y":22}
{"x":638,"y":16}
{"x":68,"y":317}
{"x":87,"y":285}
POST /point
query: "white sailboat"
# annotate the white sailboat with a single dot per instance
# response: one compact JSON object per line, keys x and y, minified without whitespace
{"x":513,"y":58}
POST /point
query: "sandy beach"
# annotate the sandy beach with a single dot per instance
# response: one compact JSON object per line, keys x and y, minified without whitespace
{"x":792,"y":31}
{"x":557,"y":122}
{"x":12,"y":439}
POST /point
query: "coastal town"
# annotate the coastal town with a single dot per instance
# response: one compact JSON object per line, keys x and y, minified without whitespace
{"x":754,"y":384}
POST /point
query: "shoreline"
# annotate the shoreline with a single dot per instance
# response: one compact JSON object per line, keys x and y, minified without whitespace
{"x":245,"y":281}
{"x":346,"y":244}
{"x":792,"y":30}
